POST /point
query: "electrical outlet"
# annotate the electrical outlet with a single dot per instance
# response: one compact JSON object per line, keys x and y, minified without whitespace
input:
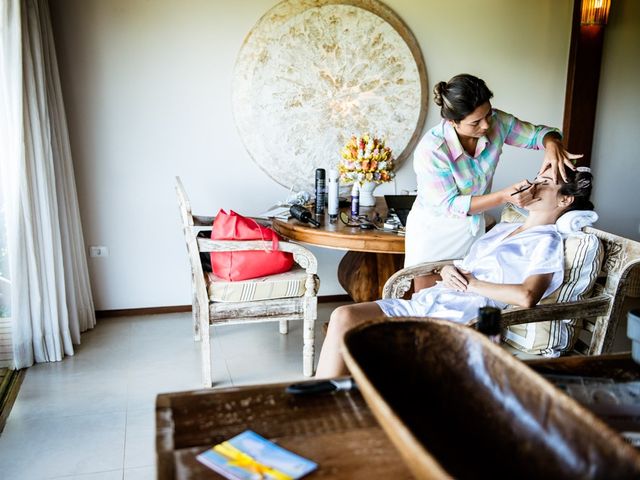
{"x":98,"y":251}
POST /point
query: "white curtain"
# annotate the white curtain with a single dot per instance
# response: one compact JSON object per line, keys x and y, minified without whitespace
{"x":51,"y":300}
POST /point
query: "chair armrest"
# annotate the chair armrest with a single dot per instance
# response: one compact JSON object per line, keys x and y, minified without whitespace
{"x":588,"y":308}
{"x":400,"y":282}
{"x":301,"y":255}
{"x":207,"y":221}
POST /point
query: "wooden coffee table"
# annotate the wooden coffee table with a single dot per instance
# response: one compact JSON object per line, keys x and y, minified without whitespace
{"x":337,"y":431}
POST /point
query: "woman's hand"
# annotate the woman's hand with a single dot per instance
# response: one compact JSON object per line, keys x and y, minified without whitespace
{"x":520,"y":194}
{"x":469,"y":277}
{"x":453,"y":278}
{"x":556,"y":158}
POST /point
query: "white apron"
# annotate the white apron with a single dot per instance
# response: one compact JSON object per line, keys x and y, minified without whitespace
{"x":431,"y":238}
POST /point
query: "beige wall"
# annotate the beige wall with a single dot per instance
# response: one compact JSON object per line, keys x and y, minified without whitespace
{"x":616,"y":157}
{"x":147,"y":89}
{"x":616,"y":161}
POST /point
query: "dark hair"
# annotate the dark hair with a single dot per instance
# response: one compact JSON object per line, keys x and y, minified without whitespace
{"x":460,"y":96}
{"x":578,"y":185}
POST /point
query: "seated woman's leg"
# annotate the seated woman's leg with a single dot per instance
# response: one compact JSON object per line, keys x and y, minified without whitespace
{"x":342,"y":319}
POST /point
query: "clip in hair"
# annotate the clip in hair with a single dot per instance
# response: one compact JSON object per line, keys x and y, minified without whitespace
{"x":583,"y":169}
{"x":584,"y":183}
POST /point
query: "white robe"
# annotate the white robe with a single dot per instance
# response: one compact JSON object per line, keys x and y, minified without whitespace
{"x":492,"y":258}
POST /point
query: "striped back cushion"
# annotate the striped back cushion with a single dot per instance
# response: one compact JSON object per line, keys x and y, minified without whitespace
{"x":512,"y":214}
{"x":582,"y":262}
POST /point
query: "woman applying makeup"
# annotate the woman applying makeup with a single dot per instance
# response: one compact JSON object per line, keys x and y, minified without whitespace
{"x":512,"y":264}
{"x":455,"y":162}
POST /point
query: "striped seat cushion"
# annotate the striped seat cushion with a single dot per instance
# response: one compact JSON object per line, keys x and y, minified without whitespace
{"x":283,"y":285}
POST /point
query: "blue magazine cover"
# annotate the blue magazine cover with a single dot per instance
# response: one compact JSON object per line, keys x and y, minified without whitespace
{"x":249,"y":456}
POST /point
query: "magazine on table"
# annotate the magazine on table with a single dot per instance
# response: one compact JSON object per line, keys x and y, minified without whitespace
{"x":249,"y":456}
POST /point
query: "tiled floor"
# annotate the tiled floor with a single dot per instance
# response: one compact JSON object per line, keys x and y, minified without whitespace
{"x":91,"y":416}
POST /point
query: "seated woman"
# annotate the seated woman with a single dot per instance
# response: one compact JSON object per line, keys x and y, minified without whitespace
{"x":512,"y":264}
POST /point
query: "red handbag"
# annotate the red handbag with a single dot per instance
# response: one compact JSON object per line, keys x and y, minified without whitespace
{"x":243,"y":265}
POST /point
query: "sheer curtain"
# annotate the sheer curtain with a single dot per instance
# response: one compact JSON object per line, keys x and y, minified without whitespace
{"x":50,"y":295}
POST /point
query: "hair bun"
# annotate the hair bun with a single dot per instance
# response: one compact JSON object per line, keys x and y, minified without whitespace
{"x":584,"y":179}
{"x":438,"y":91}
{"x":579,"y":185}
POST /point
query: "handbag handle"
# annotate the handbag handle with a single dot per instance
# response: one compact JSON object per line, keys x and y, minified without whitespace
{"x":274,"y":237}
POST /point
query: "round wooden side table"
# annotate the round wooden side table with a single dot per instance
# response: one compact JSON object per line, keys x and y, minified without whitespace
{"x":372,"y":255}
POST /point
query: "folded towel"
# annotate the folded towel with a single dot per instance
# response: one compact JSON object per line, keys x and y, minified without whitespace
{"x":575,"y":220}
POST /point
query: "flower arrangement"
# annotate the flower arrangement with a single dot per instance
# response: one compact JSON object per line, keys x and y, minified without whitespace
{"x":366,"y":159}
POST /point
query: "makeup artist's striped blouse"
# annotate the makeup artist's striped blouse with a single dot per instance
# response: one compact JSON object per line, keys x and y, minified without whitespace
{"x":448,"y":176}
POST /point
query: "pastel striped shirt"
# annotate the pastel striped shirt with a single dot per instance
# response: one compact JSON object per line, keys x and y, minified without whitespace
{"x":448,"y":176}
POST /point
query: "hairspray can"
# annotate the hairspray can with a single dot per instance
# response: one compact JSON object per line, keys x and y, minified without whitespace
{"x":355,"y":200}
{"x":320,"y":183}
{"x":332,"y":187}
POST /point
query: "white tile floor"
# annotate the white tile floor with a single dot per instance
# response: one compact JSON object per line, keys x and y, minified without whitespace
{"x":91,"y":416}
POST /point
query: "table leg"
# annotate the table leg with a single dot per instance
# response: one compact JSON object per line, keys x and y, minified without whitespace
{"x":363,"y":274}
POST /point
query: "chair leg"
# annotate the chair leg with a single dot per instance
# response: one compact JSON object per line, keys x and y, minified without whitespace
{"x":308,"y":332}
{"x":205,"y":350}
{"x":195,"y":311}
{"x":284,"y":327}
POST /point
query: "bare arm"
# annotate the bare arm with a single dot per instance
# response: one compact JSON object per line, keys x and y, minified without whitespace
{"x":526,"y":294}
{"x":482,"y":203}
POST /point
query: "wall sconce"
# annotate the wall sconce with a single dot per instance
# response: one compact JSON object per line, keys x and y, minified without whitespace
{"x":595,"y":12}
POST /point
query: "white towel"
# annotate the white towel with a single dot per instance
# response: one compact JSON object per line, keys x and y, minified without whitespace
{"x":576,"y":220}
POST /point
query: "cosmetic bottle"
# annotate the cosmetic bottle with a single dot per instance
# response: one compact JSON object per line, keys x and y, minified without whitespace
{"x":355,"y":200}
{"x":332,"y":186}
{"x":489,"y":323}
{"x":320,"y":189}
{"x":302,"y":214}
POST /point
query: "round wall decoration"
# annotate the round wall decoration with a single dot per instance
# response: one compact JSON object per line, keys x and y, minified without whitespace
{"x":312,"y":73}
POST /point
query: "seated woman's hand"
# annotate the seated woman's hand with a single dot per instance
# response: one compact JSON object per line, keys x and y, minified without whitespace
{"x":454,"y":278}
{"x":469,"y":277}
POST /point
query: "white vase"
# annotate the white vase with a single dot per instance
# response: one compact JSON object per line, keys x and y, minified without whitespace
{"x":366,"y":194}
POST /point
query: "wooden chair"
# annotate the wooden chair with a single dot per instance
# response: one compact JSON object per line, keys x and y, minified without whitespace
{"x":598,"y":313}
{"x":215,"y":301}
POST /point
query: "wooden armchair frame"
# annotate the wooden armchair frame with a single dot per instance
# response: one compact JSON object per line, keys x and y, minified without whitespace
{"x":599,"y":313}
{"x":206,"y":312}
